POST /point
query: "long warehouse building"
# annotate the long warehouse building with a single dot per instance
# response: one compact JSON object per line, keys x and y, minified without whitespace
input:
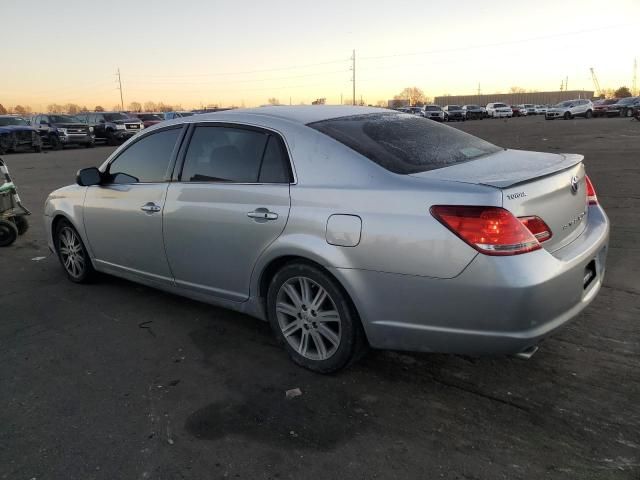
{"x":537,"y":98}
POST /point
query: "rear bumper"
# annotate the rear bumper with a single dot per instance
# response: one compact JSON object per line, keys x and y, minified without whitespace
{"x":497,"y":305}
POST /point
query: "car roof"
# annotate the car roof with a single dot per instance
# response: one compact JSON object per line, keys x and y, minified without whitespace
{"x":303,"y":114}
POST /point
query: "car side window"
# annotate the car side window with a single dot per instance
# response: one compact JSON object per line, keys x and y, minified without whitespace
{"x":275,"y":166}
{"x":44,"y":119}
{"x":147,"y":160}
{"x":228,"y":154}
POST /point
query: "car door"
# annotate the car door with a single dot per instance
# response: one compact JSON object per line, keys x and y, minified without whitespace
{"x":230,"y":201}
{"x":123,"y":216}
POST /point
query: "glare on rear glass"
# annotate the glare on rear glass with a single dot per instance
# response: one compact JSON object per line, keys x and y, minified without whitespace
{"x":403,"y":143}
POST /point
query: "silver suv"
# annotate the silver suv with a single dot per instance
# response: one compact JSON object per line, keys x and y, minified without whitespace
{"x":570,"y":109}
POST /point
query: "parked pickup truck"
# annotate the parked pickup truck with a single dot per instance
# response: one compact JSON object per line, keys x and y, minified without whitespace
{"x":58,"y":130}
{"x":114,"y":127}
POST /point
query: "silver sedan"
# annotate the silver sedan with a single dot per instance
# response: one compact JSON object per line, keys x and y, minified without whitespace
{"x":344,"y":227}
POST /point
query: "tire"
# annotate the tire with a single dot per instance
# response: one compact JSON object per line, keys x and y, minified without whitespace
{"x":55,"y":142}
{"x":293,"y":305}
{"x":22,"y":224}
{"x":90,"y":145}
{"x":628,"y":113}
{"x":567,"y":116}
{"x":76,"y":264}
{"x":111,"y":139}
{"x":589,"y":114}
{"x":37,"y":148}
{"x":8,"y":232}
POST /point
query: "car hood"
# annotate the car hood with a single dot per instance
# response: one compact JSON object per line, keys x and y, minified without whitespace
{"x":504,"y":168}
{"x":19,"y":128}
{"x":69,"y":125}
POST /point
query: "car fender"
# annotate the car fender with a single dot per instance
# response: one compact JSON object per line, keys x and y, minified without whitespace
{"x":67,"y":202}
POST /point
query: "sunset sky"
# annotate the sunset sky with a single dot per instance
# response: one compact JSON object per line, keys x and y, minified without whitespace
{"x":238,"y":52}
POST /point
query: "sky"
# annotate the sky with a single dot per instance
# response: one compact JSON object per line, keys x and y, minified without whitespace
{"x":201,"y":52}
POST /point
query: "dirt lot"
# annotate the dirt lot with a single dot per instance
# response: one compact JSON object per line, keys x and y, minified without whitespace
{"x":118,"y":381}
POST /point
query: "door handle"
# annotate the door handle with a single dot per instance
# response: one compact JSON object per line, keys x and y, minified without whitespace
{"x":150,"y":207}
{"x":262,"y":214}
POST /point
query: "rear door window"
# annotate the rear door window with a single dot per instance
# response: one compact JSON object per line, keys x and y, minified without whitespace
{"x":238,"y":155}
{"x":404,"y":144}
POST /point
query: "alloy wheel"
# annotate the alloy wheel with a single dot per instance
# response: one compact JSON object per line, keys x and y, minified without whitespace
{"x":308,"y":318}
{"x":71,"y":252}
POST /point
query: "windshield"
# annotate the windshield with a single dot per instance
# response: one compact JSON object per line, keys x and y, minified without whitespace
{"x":432,"y":108}
{"x":110,"y":117}
{"x":454,"y":107}
{"x":5,"y":121}
{"x":184,"y":114}
{"x":627,"y":100}
{"x":472,"y":107}
{"x":64,"y":119}
{"x":404,"y":143}
{"x":564,"y":104}
{"x":499,"y":105}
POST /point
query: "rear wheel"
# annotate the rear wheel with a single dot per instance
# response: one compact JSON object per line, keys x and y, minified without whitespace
{"x":313,"y":317}
{"x":72,"y":253}
{"x":589,"y":114}
{"x":8,"y":232}
{"x":111,"y":139}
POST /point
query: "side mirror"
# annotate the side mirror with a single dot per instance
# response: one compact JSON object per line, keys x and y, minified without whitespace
{"x":88,"y":176}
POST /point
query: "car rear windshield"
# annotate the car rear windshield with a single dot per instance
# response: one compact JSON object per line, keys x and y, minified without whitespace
{"x":404,"y":143}
{"x":499,"y":105}
{"x":432,"y":108}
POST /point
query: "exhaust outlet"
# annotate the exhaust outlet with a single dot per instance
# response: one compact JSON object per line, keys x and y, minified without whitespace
{"x":527,"y":354}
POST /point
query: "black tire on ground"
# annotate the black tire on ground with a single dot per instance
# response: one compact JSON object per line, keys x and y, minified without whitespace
{"x":90,"y":145}
{"x":8,"y":232}
{"x":62,"y":236}
{"x":352,"y":344}
{"x":55,"y":142}
{"x":567,"y":116}
{"x":22,"y":224}
{"x":589,"y":114}
{"x":37,"y":148}
{"x":111,"y":139}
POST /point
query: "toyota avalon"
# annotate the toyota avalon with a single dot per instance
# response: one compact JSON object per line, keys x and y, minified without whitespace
{"x":344,"y":227}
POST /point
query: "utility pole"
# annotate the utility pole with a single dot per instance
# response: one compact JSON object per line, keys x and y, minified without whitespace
{"x":353,"y":77}
{"x":561,"y":84}
{"x":341,"y":102}
{"x":634,"y":83}
{"x":120,"y":88}
{"x":566,"y":84}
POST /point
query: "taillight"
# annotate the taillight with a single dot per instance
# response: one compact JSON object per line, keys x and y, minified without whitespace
{"x":537,"y":226}
{"x":592,"y":198}
{"x":490,"y":230}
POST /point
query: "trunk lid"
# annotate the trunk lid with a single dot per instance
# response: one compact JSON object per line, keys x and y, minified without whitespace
{"x":546,"y":185}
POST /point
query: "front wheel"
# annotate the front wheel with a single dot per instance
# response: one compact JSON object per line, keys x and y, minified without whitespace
{"x":22,"y":224}
{"x":56,"y":144}
{"x":589,"y":114}
{"x":72,"y":253}
{"x":111,"y":139}
{"x":313,"y":317}
{"x":8,"y":232}
{"x":567,"y":116}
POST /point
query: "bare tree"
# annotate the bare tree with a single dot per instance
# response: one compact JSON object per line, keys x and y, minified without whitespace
{"x":135,"y":107}
{"x":55,"y":108}
{"x":516,"y":89}
{"x":22,"y":110}
{"x":381,"y":103}
{"x":98,"y":108}
{"x":116,"y":108}
{"x":622,"y":92}
{"x":3,"y":111}
{"x":71,"y":108}
{"x":273,"y":101}
{"x":413,"y":94}
{"x":150,"y":107}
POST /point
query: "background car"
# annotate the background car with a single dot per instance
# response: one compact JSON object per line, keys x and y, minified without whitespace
{"x":472,"y":112}
{"x":433,"y":112}
{"x":499,"y":110}
{"x":19,"y":134}
{"x":570,"y":109}
{"x":453,"y":113}
{"x":58,"y":130}
{"x":148,"y":119}
{"x":541,"y":109}
{"x":245,"y":222}
{"x":626,"y":105}
{"x":180,"y":114}
{"x":114,"y":127}
{"x":518,"y":111}
{"x":606,"y":107}
{"x":529,"y":108}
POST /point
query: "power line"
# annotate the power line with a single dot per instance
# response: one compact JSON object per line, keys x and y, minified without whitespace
{"x":496,"y":44}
